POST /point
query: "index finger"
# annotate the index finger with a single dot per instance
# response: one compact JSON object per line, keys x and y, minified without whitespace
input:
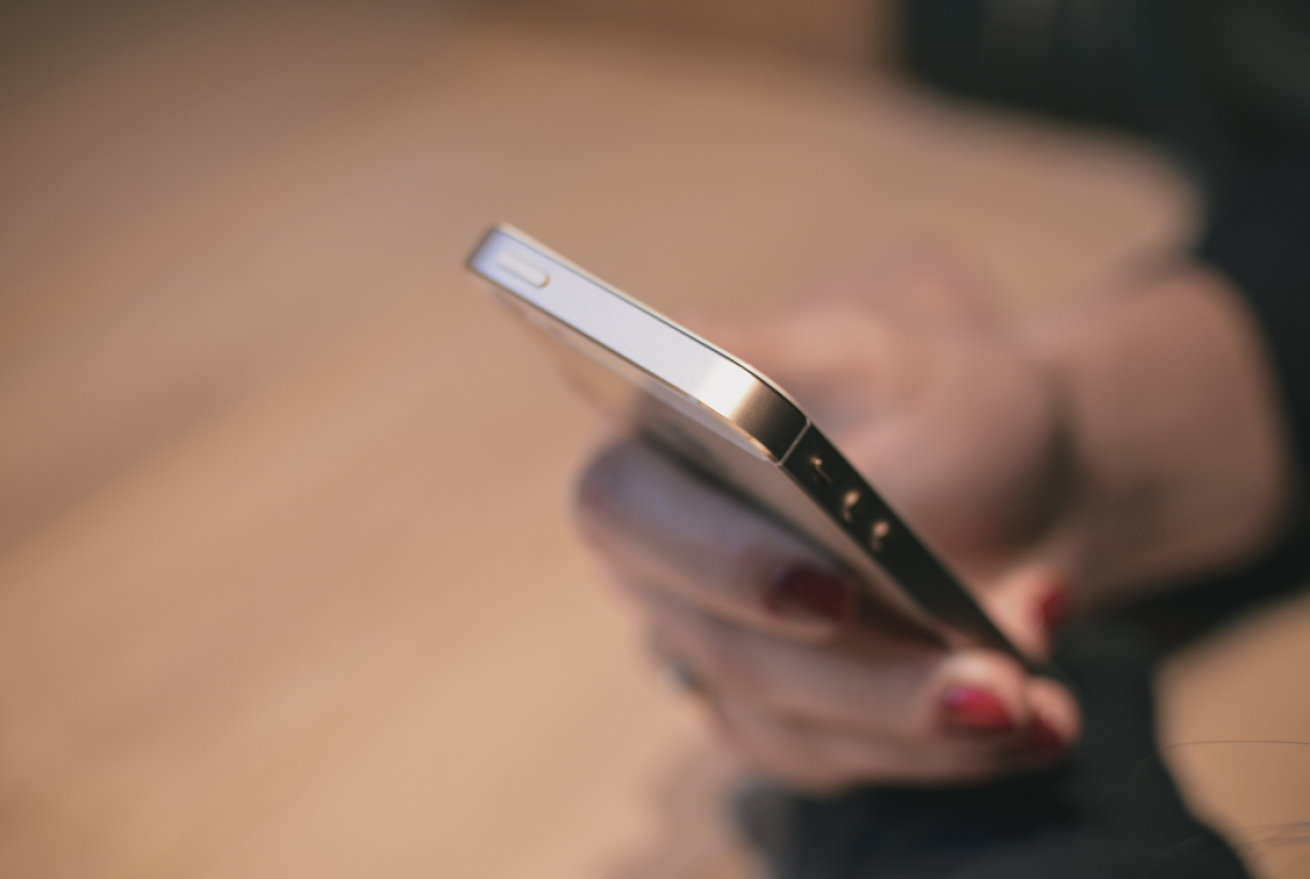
{"x":664,"y":528}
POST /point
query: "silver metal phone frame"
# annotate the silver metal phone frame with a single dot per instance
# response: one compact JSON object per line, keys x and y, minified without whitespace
{"x":748,"y":410}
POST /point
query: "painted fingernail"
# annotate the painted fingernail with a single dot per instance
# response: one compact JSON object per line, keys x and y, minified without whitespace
{"x":975,"y":710}
{"x":1052,"y":607}
{"x":1042,"y":737}
{"x":806,"y":593}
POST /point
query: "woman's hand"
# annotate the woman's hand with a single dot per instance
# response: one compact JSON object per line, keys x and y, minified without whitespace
{"x":1086,"y":457}
{"x":961,"y":433}
{"x":767,"y":632}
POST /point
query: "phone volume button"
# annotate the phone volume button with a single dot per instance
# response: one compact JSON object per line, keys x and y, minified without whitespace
{"x":850,"y":501}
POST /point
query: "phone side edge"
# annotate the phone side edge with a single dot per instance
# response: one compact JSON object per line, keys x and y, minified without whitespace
{"x":678,"y":359}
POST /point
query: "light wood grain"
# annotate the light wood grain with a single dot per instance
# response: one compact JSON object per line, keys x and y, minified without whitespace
{"x":286,"y":580}
{"x":1235,"y":721}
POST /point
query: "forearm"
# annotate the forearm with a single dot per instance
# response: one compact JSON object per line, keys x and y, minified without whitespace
{"x":1179,"y":456}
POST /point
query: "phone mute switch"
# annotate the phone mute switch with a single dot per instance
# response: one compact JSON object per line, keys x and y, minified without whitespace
{"x":522,"y":269}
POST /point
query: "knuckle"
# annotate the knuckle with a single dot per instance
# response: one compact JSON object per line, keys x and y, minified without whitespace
{"x":732,"y":654}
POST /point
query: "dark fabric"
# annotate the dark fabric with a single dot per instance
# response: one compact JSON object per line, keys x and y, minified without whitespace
{"x":1110,"y":811}
{"x":1224,"y":85}
{"x":1259,"y":236}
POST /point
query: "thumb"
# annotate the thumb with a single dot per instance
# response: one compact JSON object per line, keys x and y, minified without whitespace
{"x":1028,"y":603}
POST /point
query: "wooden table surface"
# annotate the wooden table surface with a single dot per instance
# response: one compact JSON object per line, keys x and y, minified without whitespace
{"x":287,"y":585}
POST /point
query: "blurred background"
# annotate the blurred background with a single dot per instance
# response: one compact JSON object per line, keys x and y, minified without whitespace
{"x":287,"y":583}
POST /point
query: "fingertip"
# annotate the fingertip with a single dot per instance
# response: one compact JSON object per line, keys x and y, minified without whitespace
{"x":1055,"y":722}
{"x":1032,"y":720}
{"x":982,"y":693}
{"x":819,"y":601}
{"x":976,"y":710}
{"x":1053,"y":606}
{"x":1029,"y":603}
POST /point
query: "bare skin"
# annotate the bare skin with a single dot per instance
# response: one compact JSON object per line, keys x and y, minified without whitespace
{"x":1086,"y":456}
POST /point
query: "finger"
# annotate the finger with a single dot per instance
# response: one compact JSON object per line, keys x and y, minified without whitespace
{"x":824,"y":759}
{"x":1029,"y":602}
{"x":871,"y":681}
{"x":659,"y":525}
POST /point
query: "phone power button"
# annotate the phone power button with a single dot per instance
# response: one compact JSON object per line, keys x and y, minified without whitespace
{"x":522,"y":269}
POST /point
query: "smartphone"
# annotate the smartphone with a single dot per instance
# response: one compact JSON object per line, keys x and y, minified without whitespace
{"x":731,"y":425}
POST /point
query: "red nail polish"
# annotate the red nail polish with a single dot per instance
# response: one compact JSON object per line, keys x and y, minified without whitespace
{"x":803,"y":592}
{"x":1042,"y":737}
{"x":976,"y":710}
{"x":1052,"y":607}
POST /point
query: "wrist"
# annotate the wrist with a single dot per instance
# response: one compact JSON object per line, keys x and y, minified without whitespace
{"x":1179,"y":459}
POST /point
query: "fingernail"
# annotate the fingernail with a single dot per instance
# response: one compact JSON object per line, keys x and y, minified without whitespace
{"x":1042,"y":737}
{"x":1052,"y":607}
{"x":806,"y":593}
{"x":976,"y":710}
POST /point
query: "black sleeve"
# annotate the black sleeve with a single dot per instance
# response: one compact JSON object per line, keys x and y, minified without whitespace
{"x":1259,"y":237}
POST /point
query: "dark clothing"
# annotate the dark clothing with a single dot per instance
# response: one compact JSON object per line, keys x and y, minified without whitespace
{"x":1224,"y":86}
{"x":1111,"y":811}
{"x":1260,"y":238}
